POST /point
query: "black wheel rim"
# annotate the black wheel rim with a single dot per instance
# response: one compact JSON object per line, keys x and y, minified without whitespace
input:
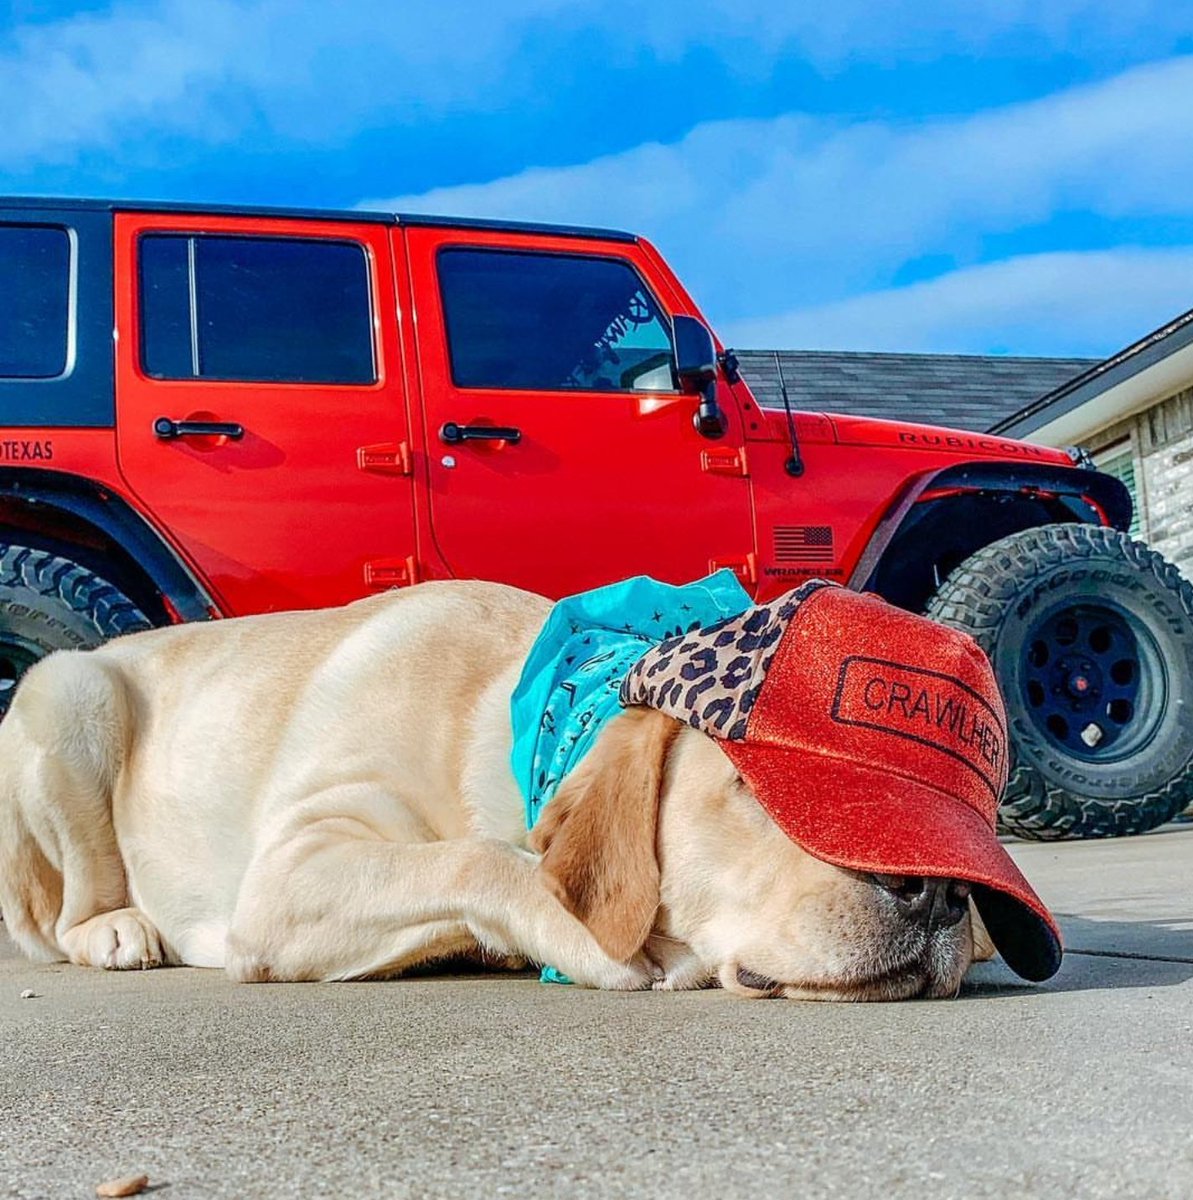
{"x":1093,"y":681}
{"x":17,"y":655}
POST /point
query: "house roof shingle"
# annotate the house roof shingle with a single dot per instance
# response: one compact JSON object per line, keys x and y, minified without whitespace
{"x":961,"y":391}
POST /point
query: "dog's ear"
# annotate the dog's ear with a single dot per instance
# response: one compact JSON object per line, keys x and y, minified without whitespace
{"x":597,"y":835}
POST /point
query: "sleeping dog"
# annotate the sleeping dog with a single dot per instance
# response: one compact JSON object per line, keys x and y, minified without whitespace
{"x":794,"y":800}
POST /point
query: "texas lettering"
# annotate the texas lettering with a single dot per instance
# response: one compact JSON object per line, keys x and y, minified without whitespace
{"x":14,"y":450}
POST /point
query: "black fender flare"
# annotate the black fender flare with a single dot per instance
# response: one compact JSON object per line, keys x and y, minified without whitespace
{"x":1091,"y":496}
{"x":114,"y":517}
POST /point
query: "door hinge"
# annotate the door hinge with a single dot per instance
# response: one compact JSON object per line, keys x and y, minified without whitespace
{"x":385,"y":458}
{"x":724,"y":460}
{"x":381,"y":574}
{"x":745,"y":568}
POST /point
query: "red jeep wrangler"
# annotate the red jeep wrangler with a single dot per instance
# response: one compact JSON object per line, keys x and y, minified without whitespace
{"x":208,"y":412}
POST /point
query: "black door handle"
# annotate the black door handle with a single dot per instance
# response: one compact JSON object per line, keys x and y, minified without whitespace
{"x":452,"y":433}
{"x":167,"y":428}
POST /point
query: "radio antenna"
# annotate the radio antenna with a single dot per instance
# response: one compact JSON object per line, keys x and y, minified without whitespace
{"x":794,"y":466}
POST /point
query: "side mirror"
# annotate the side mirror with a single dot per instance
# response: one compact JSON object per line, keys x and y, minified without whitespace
{"x":695,"y":354}
{"x":696,"y":370}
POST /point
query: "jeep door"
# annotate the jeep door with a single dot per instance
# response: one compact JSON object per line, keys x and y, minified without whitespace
{"x":260,"y":405}
{"x":560,"y":453}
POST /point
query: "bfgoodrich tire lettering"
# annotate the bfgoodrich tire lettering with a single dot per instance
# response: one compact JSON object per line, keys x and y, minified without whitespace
{"x":49,"y":603}
{"x":1009,"y":596}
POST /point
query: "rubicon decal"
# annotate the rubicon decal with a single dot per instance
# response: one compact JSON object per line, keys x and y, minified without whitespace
{"x":20,"y":450}
{"x":956,"y":441}
{"x":923,"y":706}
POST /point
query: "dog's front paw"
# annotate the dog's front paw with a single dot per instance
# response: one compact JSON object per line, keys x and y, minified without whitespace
{"x":639,"y":975}
{"x":612,"y":976}
{"x":631,"y":977}
{"x":681,"y":969}
{"x":685,"y":976}
{"x":122,"y":940}
{"x":683,"y":981}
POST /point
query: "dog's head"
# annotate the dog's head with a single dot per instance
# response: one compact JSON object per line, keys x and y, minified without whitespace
{"x":655,"y":842}
{"x":793,"y":803}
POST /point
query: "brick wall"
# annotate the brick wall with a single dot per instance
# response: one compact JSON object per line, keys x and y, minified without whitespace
{"x":1162,"y":440}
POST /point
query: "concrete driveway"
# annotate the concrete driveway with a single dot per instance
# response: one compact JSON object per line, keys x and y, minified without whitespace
{"x":501,"y":1086}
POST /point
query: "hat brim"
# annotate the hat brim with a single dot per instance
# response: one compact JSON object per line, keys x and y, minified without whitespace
{"x":887,"y":823}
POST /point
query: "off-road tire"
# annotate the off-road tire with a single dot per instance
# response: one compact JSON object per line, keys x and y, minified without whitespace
{"x":1006,"y":590}
{"x":50,"y":603}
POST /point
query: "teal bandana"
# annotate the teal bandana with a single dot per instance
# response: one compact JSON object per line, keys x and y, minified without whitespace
{"x":570,"y":683}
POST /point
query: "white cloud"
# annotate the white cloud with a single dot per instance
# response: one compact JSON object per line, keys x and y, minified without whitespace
{"x":873,"y":30}
{"x":204,"y":68}
{"x":65,"y":84}
{"x":310,"y":70}
{"x":770,"y":215}
{"x":1086,"y":303}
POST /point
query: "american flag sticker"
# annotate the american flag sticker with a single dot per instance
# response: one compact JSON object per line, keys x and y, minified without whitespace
{"x":804,"y":544}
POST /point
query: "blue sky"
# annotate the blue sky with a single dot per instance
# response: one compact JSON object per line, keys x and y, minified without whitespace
{"x":988,"y":176}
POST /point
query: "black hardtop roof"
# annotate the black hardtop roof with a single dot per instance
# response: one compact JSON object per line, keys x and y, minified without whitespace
{"x":51,"y":203}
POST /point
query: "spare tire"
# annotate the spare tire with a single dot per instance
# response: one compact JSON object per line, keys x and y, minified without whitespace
{"x":1091,"y":637}
{"x":50,"y":603}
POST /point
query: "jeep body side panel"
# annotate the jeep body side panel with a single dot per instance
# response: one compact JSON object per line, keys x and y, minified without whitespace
{"x":313,"y":504}
{"x":82,"y":394}
{"x":600,"y":484}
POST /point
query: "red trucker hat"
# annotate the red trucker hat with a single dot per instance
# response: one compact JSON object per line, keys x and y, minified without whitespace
{"x":876,"y":739}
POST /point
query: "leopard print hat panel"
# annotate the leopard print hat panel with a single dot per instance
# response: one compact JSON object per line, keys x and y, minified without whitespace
{"x":710,"y":677}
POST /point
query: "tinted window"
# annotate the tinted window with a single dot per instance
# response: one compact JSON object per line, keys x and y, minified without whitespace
{"x":34,"y":301}
{"x":269,"y":310}
{"x":552,"y":321}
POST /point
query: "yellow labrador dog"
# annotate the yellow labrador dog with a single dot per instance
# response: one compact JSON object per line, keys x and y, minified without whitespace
{"x":328,"y":795}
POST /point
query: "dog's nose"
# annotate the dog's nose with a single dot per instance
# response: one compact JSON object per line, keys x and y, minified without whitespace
{"x":935,"y":903}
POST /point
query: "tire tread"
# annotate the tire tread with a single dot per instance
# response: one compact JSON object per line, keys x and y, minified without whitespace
{"x":974,"y":597}
{"x":84,"y":593}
